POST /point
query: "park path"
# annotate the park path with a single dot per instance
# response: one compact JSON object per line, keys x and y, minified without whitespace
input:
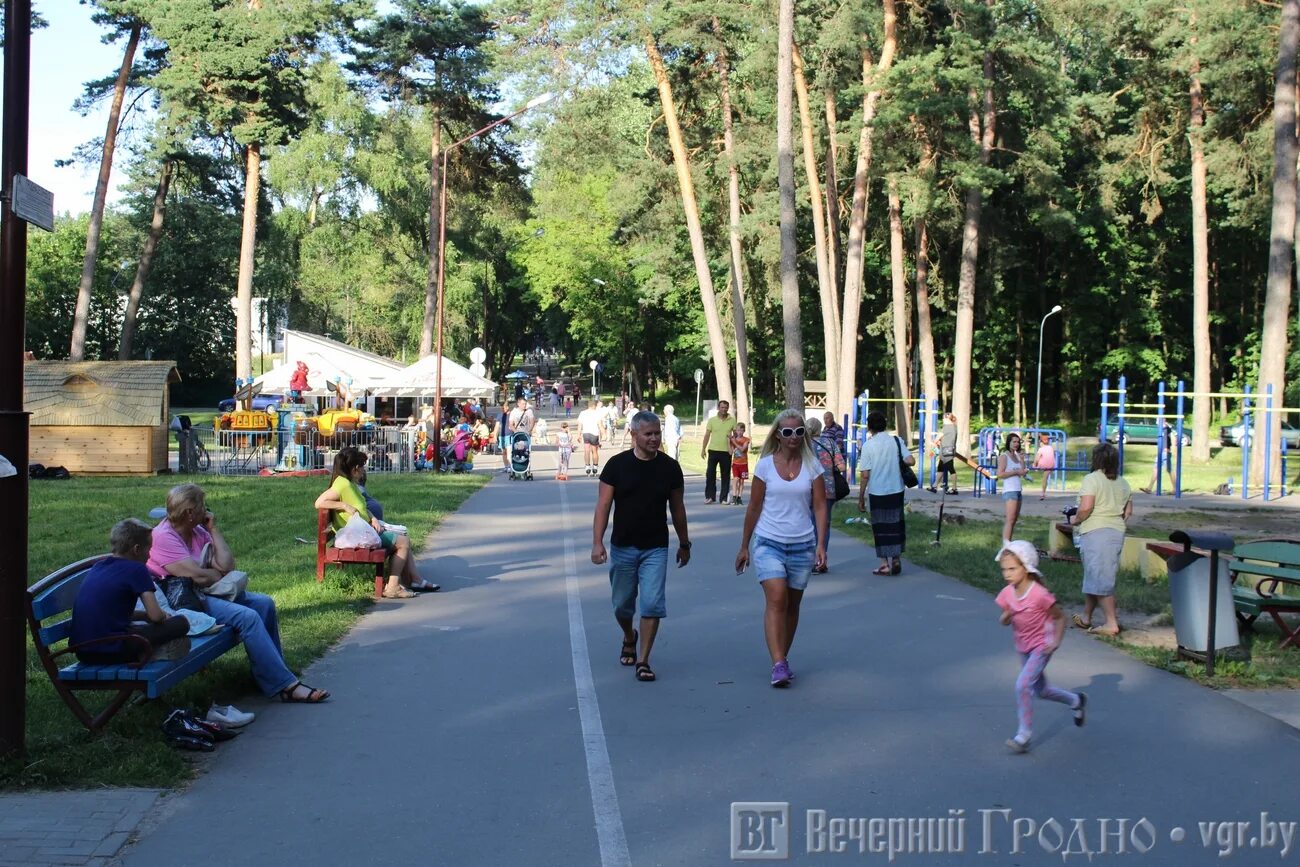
{"x":472,"y":727}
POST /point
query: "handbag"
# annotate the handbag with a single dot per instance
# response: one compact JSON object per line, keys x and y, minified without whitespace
{"x":230,"y":586}
{"x":181,"y":593}
{"x":908,"y":474}
{"x":840,"y":483}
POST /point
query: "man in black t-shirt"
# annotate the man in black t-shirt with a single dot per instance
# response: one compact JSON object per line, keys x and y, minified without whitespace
{"x":641,"y":484}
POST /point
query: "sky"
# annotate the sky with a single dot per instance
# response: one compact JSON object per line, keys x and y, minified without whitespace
{"x":65,"y":55}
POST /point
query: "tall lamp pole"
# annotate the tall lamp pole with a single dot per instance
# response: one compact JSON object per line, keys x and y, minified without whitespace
{"x":442,"y":245}
{"x":1038,"y":395}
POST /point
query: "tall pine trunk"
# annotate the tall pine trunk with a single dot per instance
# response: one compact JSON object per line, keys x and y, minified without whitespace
{"x":77,"y":351}
{"x":833,"y":209}
{"x":898,"y":274}
{"x":247,"y":249}
{"x":1277,"y":300}
{"x":924,"y":334}
{"x":963,"y":340}
{"x":790,"y":324}
{"x":825,"y":282}
{"x":856,"y":252}
{"x":132,"y":314}
{"x":1202,"y":407}
{"x":733,"y":232}
{"x":436,"y":180}
{"x":682,"y":162}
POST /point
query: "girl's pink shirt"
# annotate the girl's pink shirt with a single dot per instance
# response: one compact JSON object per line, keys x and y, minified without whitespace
{"x":1030,"y":621}
{"x":1045,"y":458}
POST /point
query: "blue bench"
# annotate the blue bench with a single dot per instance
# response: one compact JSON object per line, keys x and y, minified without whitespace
{"x":51,"y":598}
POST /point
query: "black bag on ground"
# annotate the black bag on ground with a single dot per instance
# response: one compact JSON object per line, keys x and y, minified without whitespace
{"x":908,"y":474}
{"x":36,"y":471}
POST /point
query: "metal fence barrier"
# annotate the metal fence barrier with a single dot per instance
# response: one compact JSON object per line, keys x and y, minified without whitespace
{"x":247,"y":453}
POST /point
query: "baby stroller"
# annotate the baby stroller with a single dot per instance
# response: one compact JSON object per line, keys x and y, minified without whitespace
{"x":521,"y":456}
{"x":454,"y":455}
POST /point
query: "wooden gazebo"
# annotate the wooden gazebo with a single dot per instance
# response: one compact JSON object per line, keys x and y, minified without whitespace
{"x":108,"y":417}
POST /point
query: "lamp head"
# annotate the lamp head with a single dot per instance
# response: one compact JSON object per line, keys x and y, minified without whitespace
{"x":1056,"y":309}
{"x":539,"y":100}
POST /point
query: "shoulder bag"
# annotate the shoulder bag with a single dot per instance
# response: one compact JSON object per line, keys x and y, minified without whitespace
{"x":841,"y":484}
{"x":908,"y":474}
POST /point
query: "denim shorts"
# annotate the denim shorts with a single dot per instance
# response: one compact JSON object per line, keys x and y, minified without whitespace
{"x":637,"y":572}
{"x":791,"y":561}
{"x":1009,"y":496}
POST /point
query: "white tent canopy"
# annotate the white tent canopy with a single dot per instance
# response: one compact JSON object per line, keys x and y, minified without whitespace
{"x":419,"y":380}
{"x":321,"y":371}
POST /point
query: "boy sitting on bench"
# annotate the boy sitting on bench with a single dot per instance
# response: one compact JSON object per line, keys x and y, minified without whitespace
{"x":104,"y":612}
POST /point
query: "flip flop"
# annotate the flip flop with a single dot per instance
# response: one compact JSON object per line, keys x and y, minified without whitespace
{"x":1097,"y":630}
{"x":882,"y":570}
{"x":1080,"y":622}
{"x":399,"y":593}
{"x":627,"y":653}
{"x":423,"y":586}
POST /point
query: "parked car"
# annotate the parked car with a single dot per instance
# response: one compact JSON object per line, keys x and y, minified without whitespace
{"x":1236,"y":434}
{"x":265,"y":402}
{"x":1144,"y":431}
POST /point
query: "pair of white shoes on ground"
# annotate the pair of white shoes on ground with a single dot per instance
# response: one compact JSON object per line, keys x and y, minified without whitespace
{"x":228,"y":716}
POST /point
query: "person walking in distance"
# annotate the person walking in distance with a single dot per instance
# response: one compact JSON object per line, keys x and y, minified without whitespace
{"x":1045,"y":461}
{"x":786,"y":523}
{"x":640,"y":485}
{"x":946,"y":444}
{"x":589,"y":424}
{"x":672,"y":426}
{"x":1038,"y":623}
{"x":564,"y":447}
{"x":881,"y":479}
{"x":717,"y":431}
{"x":1164,"y":458}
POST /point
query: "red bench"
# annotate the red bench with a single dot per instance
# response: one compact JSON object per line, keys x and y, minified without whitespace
{"x":327,"y":553}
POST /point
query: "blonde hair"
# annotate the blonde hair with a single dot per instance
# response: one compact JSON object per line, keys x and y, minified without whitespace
{"x":773,"y":441}
{"x":181,"y":499}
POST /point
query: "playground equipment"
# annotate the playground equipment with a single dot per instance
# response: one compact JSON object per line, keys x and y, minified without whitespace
{"x":990,"y":441}
{"x":1176,"y":420}
{"x":925,"y":422}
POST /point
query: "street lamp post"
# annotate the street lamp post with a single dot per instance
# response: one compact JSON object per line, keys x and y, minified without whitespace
{"x":442,"y":245}
{"x":1038,"y":394}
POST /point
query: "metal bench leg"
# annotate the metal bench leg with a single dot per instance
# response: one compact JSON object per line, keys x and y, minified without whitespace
{"x":1292,"y":636}
{"x":101,"y":720}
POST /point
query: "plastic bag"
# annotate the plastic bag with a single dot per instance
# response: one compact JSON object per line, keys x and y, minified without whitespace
{"x":356,"y":533}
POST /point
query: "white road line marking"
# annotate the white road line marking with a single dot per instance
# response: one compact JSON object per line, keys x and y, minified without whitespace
{"x":600,"y":774}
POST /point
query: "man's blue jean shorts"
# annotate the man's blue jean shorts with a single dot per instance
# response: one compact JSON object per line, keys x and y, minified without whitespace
{"x":637,"y":572}
{"x":792,"y":561}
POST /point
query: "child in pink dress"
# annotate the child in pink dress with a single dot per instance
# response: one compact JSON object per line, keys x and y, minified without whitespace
{"x":1038,"y":624}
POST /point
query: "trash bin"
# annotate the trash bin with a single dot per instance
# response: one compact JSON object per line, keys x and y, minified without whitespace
{"x":1196,"y":583}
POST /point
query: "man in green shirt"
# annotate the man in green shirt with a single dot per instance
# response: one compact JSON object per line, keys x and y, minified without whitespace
{"x":717,"y":431}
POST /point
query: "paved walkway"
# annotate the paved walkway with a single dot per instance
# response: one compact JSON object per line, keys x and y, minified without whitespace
{"x":69,"y":827}
{"x":491,"y":724}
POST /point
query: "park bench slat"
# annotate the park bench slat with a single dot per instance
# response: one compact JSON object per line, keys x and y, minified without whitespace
{"x":1275,"y":563}
{"x":56,"y":593}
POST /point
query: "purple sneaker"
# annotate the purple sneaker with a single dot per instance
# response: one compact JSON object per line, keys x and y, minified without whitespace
{"x":781,"y":674}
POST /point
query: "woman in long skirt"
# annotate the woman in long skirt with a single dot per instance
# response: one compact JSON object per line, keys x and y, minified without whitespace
{"x":881,"y":480}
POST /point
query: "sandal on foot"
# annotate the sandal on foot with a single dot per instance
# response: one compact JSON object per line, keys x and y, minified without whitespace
{"x":882,"y":570}
{"x":399,"y":593}
{"x":313,"y":696}
{"x":897,"y":567}
{"x":1079,"y":622}
{"x":627,"y":653}
{"x":643,"y":672}
{"x":1105,"y":633}
{"x":423,"y":586}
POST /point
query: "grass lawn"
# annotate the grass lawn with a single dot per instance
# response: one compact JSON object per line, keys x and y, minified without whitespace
{"x":967,"y":555}
{"x":260,"y":518}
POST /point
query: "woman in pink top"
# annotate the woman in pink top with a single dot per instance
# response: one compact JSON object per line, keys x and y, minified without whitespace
{"x":1045,"y":461}
{"x":1038,"y":624}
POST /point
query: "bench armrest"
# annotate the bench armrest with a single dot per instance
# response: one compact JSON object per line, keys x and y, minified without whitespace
{"x":130,"y":637}
{"x":1273,"y":583}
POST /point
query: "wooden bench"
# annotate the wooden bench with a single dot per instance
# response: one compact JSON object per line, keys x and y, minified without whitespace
{"x":1259,"y":570}
{"x":327,"y":553}
{"x":51,"y":598}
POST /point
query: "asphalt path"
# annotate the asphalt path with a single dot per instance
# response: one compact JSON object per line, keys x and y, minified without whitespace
{"x":491,"y":724}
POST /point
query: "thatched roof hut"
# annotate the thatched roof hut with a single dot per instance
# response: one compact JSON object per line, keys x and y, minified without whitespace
{"x":99,"y":416}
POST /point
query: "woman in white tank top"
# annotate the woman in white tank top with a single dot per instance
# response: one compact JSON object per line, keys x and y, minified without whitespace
{"x":1012,"y":469}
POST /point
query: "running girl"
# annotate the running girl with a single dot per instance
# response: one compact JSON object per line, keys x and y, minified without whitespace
{"x":1044,"y":461}
{"x":1038,"y":624}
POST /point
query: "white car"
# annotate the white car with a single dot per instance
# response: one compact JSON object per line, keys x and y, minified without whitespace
{"x":1235,"y":435}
